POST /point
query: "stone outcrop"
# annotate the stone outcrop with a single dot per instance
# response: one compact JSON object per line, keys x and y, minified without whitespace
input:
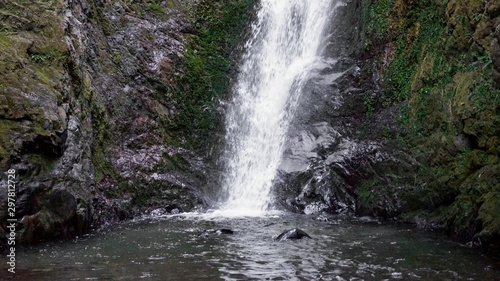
{"x":333,"y":147}
{"x":86,"y":92}
{"x":400,"y":121}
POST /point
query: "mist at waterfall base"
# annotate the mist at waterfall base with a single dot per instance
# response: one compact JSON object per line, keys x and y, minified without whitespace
{"x":284,"y":46}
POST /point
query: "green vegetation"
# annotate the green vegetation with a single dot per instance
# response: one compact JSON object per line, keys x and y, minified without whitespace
{"x":49,"y":55}
{"x":154,"y":5}
{"x":438,"y":69}
{"x":375,"y":18}
{"x":209,"y":61}
{"x":116,"y":57}
{"x":368,"y":102}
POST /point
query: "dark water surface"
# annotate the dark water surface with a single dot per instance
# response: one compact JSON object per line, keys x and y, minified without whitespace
{"x":170,"y":248}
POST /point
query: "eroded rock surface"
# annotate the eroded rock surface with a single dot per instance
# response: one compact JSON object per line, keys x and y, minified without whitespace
{"x":85,"y":93}
{"x":331,"y":150}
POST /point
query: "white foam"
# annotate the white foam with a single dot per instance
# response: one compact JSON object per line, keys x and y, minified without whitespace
{"x":284,"y":47}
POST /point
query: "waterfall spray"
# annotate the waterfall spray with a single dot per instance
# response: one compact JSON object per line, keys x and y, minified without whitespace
{"x":284,"y":45}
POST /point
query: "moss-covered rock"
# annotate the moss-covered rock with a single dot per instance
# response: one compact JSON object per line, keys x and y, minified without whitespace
{"x":488,"y":217}
{"x":443,"y":70}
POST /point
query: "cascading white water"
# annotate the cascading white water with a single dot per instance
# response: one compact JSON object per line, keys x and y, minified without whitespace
{"x":284,"y":44}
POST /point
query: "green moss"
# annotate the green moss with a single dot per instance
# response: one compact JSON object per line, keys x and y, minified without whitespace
{"x":41,"y":164}
{"x":369,"y":103}
{"x":364,"y":195}
{"x":48,"y":53}
{"x":173,"y":4}
{"x":149,"y":35}
{"x":143,"y":193}
{"x":488,"y":214}
{"x":173,"y":163}
{"x":102,"y":167}
{"x":208,"y":64}
{"x":156,"y":7}
{"x":462,"y":214}
{"x":443,"y":82}
{"x":46,"y":76}
{"x":375,"y":17}
{"x":97,"y":14}
{"x":5,"y":142}
{"x":99,"y":125}
{"x":116,"y":57}
{"x":5,"y":40}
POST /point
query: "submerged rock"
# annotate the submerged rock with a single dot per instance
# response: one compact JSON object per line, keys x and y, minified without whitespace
{"x":292,"y":234}
{"x":322,"y":218}
{"x":212,"y":232}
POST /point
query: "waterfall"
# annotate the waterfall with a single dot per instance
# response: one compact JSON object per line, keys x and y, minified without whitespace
{"x":285,"y":43}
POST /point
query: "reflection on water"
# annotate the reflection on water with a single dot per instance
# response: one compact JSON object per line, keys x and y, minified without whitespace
{"x":170,"y":248}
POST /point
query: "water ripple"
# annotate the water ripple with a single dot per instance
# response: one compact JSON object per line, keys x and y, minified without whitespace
{"x":171,"y":249}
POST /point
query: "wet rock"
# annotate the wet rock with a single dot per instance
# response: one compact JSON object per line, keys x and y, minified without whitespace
{"x":338,"y":148}
{"x":292,"y":234}
{"x":212,"y":232}
{"x":464,"y":141}
{"x":315,"y":208}
{"x":54,"y":220}
{"x":322,"y":218}
{"x":90,"y":148}
{"x":367,"y":219}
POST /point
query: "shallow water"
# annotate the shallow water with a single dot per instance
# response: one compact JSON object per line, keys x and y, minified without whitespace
{"x":170,"y":248}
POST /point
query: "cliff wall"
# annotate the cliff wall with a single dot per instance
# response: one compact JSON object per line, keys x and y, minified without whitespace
{"x":107,"y":106}
{"x":403,"y":122}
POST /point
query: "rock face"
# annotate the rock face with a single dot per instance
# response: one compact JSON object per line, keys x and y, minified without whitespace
{"x":400,"y":120}
{"x":88,"y":92}
{"x":331,"y":149}
{"x":440,"y":68}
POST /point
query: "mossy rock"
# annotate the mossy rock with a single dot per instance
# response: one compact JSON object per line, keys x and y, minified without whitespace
{"x":459,"y":14}
{"x":467,"y":8}
{"x":490,"y":218}
{"x":5,"y":142}
{"x":462,"y":104}
{"x":462,"y":217}
{"x":54,"y":220}
{"x":483,"y":129}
